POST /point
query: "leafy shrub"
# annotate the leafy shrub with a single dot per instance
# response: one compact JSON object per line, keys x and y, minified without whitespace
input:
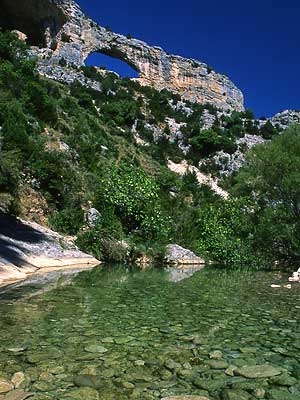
{"x":271,"y":182}
{"x":219,"y":228}
{"x":135,"y":198}
{"x":68,"y":220}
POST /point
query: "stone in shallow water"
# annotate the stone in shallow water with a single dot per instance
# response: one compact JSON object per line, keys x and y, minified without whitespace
{"x":88,"y":381}
{"x":281,"y":394}
{"x":258,"y":371}
{"x":5,"y":386}
{"x":19,"y":379}
{"x":216,"y":355}
{"x":16,"y":395}
{"x":236,"y":395}
{"x":284,"y":380}
{"x":95,"y":348}
{"x":107,"y":340}
{"x":81,"y":394}
{"x":123,"y":340}
{"x":185,"y":398}
{"x":16,"y":349}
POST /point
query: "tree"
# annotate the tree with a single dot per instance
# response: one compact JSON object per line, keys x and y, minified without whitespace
{"x":134,"y":196}
{"x":271,"y":181}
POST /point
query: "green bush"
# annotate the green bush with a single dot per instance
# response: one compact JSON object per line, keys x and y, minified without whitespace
{"x":67,"y":221}
{"x":220,"y":237}
{"x":134,"y":195}
{"x":270,"y":182}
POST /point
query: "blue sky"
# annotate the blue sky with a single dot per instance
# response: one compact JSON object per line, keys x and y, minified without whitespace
{"x":255,"y":43}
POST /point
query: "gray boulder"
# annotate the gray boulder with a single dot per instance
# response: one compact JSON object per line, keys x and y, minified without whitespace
{"x":178,"y":255}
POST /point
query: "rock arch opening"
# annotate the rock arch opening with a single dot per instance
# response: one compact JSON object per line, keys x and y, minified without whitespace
{"x":40,"y":20}
{"x":110,"y":63}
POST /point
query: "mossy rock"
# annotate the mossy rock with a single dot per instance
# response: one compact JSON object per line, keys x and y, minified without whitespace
{"x":258,"y":371}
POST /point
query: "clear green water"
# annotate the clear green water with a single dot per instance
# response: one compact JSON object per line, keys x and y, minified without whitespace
{"x":114,"y":335}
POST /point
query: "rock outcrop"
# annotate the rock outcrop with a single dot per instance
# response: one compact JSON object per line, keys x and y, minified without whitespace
{"x":59,"y":30}
{"x":28,"y":248}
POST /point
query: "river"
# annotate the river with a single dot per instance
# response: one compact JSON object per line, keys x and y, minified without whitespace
{"x":116,"y":334}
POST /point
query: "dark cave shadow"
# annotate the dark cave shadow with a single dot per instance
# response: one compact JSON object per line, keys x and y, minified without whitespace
{"x":12,"y":229}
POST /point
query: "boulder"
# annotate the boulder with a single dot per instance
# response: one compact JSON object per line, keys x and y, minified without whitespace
{"x":178,"y":255}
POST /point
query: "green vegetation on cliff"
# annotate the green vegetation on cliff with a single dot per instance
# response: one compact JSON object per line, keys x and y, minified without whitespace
{"x":65,"y":149}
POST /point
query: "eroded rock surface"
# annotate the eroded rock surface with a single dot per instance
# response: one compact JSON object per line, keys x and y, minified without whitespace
{"x":59,"y":30}
{"x":25,"y":248}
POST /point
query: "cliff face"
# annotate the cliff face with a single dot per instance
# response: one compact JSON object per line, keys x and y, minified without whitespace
{"x":60,"y":30}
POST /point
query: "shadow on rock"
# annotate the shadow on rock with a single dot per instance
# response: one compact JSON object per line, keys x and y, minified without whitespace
{"x":16,"y":238}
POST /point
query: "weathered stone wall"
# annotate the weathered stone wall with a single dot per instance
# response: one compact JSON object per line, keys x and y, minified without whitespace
{"x":64,"y":31}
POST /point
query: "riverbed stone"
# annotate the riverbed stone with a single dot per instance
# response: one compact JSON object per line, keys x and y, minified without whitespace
{"x":185,"y":397}
{"x":18,"y":394}
{"x":216,"y":355}
{"x":281,"y":394}
{"x":107,"y":340}
{"x":5,"y":385}
{"x":230,"y":370}
{"x":230,"y":394}
{"x":84,"y":393}
{"x":258,"y":371}
{"x":19,"y":380}
{"x":178,"y":255}
{"x":284,"y":380}
{"x":95,"y":348}
{"x":88,"y":381}
{"x":259,"y":393}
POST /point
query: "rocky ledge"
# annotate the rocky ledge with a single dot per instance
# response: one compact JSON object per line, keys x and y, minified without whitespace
{"x":60,"y":33}
{"x":28,"y":248}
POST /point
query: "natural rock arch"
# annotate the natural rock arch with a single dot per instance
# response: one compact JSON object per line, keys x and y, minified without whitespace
{"x":67,"y":33}
{"x":115,"y":64}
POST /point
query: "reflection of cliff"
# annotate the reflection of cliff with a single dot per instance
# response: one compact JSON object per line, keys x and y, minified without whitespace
{"x":61,"y":30}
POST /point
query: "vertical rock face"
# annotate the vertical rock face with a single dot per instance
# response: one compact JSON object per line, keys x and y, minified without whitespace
{"x":60,"y":30}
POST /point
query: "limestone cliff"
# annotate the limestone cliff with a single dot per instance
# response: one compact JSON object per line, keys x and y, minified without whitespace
{"x":58,"y":29}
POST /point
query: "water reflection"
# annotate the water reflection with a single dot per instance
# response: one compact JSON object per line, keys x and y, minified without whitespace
{"x":177,"y":274}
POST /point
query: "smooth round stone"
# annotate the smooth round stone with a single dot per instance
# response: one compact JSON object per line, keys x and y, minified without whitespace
{"x":18,"y":394}
{"x":16,"y":349}
{"x":281,"y":394}
{"x":139,"y":363}
{"x":230,"y":370}
{"x":85,"y":393}
{"x":95,"y":348}
{"x":259,"y":393}
{"x":236,"y":395}
{"x":284,"y":380}
{"x":127,"y":385}
{"x":88,"y":381}
{"x":42,"y":386}
{"x":107,"y":340}
{"x":123,"y":340}
{"x":258,"y":371}
{"x":216,"y":355}
{"x":5,"y":386}
{"x":18,"y":379}
{"x":187,"y":397}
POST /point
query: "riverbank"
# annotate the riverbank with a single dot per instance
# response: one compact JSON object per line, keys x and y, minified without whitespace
{"x":27,"y":249}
